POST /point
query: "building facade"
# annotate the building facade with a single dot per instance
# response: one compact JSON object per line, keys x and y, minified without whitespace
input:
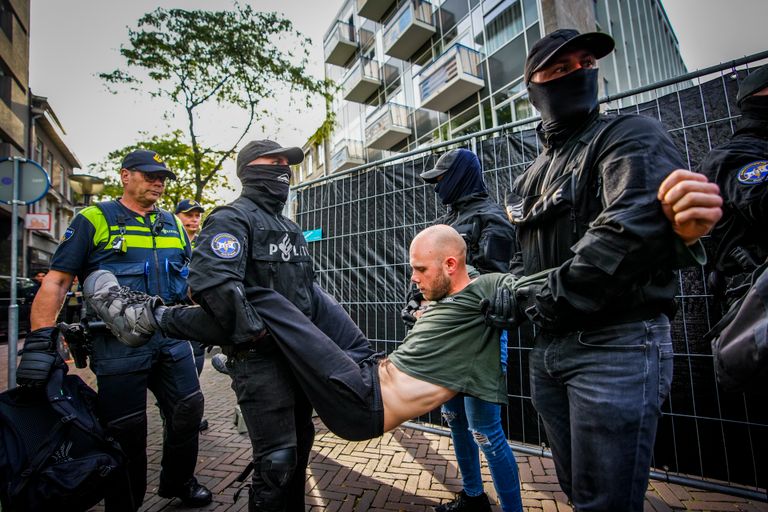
{"x":29,"y":128}
{"x":48,"y":148}
{"x":412,"y":72}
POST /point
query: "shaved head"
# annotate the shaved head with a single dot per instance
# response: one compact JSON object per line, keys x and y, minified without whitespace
{"x":438,"y":260}
{"x":440,"y":241}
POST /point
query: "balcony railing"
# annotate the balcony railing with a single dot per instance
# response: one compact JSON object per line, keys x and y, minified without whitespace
{"x":340,"y":44}
{"x":408,"y":29}
{"x":387,"y":126}
{"x":373,"y":9}
{"x":451,"y":78}
{"x":347,"y":154}
{"x":363,"y":80}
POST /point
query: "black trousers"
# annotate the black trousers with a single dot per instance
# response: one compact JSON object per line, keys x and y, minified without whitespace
{"x":330,"y":357}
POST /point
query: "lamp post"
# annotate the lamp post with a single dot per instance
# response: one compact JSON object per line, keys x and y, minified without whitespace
{"x":86,"y":186}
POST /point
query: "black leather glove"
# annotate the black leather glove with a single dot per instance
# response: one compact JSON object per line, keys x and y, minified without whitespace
{"x":501,"y":310}
{"x":408,"y":313}
{"x":37,"y":357}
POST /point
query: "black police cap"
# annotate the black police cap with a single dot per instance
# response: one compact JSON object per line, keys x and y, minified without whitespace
{"x":562,"y":40}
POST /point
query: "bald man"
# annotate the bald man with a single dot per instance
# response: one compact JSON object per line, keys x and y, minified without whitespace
{"x":358,"y":394}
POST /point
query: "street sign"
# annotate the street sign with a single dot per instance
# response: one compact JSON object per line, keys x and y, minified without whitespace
{"x":33,"y":181}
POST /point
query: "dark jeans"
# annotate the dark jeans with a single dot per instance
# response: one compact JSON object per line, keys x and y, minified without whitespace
{"x":599,"y":393}
{"x":331,"y":359}
{"x":278,"y":417}
{"x":122,"y":393}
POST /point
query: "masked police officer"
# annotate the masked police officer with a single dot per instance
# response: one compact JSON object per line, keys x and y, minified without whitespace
{"x":249,"y":243}
{"x":587,"y":208}
{"x":490,"y":240}
{"x":740,"y":167}
{"x":146,"y":249}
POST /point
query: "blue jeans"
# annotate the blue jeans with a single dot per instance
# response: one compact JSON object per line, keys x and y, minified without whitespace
{"x":599,"y":393}
{"x":474,"y":423}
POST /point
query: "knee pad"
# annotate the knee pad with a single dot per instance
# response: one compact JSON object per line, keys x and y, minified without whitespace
{"x":188,"y":412}
{"x":276,"y":468}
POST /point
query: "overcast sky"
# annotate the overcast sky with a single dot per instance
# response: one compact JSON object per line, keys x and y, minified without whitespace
{"x":73,"y":40}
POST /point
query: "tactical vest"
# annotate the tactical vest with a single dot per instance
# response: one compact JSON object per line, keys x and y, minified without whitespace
{"x":279,"y":255}
{"x":146,"y":255}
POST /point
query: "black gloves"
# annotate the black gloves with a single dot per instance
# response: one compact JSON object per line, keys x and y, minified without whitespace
{"x":508,"y":309}
{"x":38,"y":357}
{"x":501,"y":311}
{"x":408,"y":313}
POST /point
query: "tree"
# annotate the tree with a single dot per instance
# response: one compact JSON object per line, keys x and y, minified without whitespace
{"x":179,"y":157}
{"x":232,"y":57}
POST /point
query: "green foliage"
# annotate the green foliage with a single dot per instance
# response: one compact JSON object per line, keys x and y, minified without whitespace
{"x":228,"y":57}
{"x":179,"y":157}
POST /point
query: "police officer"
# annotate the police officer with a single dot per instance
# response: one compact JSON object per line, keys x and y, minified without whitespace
{"x":490,"y":240}
{"x":587,"y":208}
{"x":189,"y":213}
{"x":740,"y":167}
{"x":146,"y":249}
{"x":249,"y":243}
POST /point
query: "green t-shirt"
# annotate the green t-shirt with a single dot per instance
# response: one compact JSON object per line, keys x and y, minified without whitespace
{"x":451,"y":346}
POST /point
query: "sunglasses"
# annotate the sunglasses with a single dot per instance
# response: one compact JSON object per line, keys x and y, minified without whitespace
{"x":149,"y":177}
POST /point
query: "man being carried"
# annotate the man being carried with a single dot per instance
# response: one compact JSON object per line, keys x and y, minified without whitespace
{"x":358,"y":394}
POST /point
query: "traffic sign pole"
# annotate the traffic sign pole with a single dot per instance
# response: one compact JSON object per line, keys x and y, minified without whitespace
{"x":13,"y":307}
{"x":25,"y":182}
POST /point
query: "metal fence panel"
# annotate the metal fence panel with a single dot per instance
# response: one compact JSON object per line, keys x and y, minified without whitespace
{"x":368,"y":218}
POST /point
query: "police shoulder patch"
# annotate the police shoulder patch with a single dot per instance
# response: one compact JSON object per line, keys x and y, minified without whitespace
{"x":67,"y":234}
{"x":754,"y":173}
{"x":226,"y":245}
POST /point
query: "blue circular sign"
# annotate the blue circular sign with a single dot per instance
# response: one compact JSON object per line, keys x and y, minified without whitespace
{"x":33,"y":181}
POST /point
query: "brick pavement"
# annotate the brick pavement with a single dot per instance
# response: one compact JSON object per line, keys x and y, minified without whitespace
{"x":405,"y":470}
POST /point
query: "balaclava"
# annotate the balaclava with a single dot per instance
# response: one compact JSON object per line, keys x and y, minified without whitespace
{"x":564,"y":103}
{"x":463,"y":178}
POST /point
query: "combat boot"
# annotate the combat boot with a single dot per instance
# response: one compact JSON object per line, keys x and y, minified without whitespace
{"x":464,"y":503}
{"x":127,"y":313}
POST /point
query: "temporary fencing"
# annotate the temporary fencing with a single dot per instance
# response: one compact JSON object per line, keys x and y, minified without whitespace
{"x":368,"y":215}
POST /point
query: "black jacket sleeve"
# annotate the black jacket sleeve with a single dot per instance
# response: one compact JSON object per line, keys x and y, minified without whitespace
{"x":631,"y":240}
{"x":217,"y":272}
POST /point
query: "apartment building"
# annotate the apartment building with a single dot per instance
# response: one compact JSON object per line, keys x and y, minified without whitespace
{"x":413,"y":72}
{"x":47,"y":147}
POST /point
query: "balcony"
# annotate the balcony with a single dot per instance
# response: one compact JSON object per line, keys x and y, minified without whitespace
{"x":348,"y":154}
{"x":373,"y":9}
{"x":363,"y":80}
{"x":408,"y":29}
{"x":387,"y":126}
{"x":451,"y":78}
{"x":340,"y":43}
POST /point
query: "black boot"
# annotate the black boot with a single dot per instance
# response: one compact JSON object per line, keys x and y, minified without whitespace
{"x":191,"y":493}
{"x":464,"y":503}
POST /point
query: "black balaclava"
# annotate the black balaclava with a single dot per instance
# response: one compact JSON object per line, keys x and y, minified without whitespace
{"x":463,"y":178}
{"x":564,"y":103}
{"x":266,"y":185}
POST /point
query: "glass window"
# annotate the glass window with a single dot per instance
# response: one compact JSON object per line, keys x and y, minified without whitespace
{"x":531,"y":12}
{"x":49,"y":163}
{"x":504,"y":114}
{"x":508,"y":63}
{"x":502,"y":24}
{"x":523,"y":108}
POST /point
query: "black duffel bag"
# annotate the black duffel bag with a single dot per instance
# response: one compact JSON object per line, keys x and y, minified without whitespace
{"x":54,"y":455}
{"x":740,"y":339}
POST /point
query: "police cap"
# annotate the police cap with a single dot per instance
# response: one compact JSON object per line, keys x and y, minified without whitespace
{"x":754,"y":82}
{"x":562,"y":40}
